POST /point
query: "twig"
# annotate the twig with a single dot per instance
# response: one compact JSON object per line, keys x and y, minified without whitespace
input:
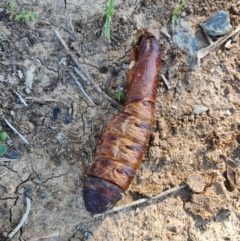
{"x":63,"y":43}
{"x":47,"y":235}
{"x":79,"y":73}
{"x":23,"y":219}
{"x":3,"y":159}
{"x":210,"y":41}
{"x":81,"y":88}
{"x":165,"y":81}
{"x":81,"y":68}
{"x":205,"y":51}
{"x":20,"y":97}
{"x":20,"y":135}
{"x":143,"y":200}
{"x":166,"y":34}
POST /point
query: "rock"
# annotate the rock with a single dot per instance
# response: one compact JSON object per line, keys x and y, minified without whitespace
{"x":185,"y":39}
{"x":218,"y":24}
{"x":199,"y":109}
{"x":55,"y":113}
{"x":210,"y":202}
{"x":13,"y":155}
{"x":29,"y":76}
{"x":195,"y":182}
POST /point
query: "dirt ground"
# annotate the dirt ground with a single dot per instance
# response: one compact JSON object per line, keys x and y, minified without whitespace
{"x":63,"y":128}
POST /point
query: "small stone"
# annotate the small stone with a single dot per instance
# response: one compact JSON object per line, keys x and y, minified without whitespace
{"x":183,"y":14}
{"x":195,"y":182}
{"x":55,"y":113}
{"x":218,"y":24}
{"x":199,"y":109}
{"x":228,"y":44}
{"x":20,"y":74}
{"x":13,"y":155}
{"x":185,"y":39}
{"x":37,"y":180}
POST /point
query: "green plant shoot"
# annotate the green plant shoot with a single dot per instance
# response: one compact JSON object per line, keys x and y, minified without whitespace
{"x":109,"y":12}
{"x":3,"y":136}
{"x":26,"y":17}
{"x":119,"y":95}
{"x":176,"y":12}
{"x":12,"y":7}
{"x":2,"y":149}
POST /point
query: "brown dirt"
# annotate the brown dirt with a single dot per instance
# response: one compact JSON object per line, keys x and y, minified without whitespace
{"x":183,"y":146}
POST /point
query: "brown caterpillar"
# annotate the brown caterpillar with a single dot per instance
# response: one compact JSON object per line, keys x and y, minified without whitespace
{"x":127,"y":134}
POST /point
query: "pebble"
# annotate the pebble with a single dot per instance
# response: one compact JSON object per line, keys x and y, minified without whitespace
{"x":195,"y":182}
{"x":228,"y":44}
{"x":199,"y":109}
{"x":20,"y":74}
{"x":55,"y":113}
{"x":183,"y":14}
{"x":13,"y":155}
{"x":218,"y":24}
{"x":37,"y":180}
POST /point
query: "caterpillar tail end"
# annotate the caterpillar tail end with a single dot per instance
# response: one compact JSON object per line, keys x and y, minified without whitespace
{"x":100,"y":195}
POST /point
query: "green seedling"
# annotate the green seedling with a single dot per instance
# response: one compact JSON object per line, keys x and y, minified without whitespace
{"x":26,"y":17}
{"x":3,"y":137}
{"x":119,"y":95}
{"x":177,"y":11}
{"x":12,"y":7}
{"x":109,"y":12}
{"x":2,"y":149}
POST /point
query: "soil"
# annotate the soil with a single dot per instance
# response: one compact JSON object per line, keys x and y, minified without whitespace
{"x":63,"y":128}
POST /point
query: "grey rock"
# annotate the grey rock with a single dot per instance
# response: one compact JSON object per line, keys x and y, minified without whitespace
{"x":218,"y":24}
{"x":184,"y":38}
{"x":196,"y":182}
{"x":199,"y":109}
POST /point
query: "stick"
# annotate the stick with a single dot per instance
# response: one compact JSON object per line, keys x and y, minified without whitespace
{"x":20,"y":135}
{"x":205,"y":51}
{"x":23,"y":219}
{"x":165,"y":81}
{"x":80,"y":67}
{"x":3,"y":159}
{"x":47,"y":235}
{"x":81,"y":88}
{"x":210,"y":41}
{"x":79,"y":73}
{"x":20,"y":97}
{"x":143,"y":200}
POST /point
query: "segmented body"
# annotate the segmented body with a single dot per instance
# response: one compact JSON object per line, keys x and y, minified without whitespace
{"x":126,"y":137}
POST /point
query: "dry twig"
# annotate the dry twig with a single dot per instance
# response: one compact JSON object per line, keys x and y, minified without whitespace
{"x":3,"y":159}
{"x":165,"y":81}
{"x":21,"y":98}
{"x":84,"y":72}
{"x":143,"y":200}
{"x":47,"y":235}
{"x":81,"y":88}
{"x":20,"y":135}
{"x":205,"y":51}
{"x":23,"y":219}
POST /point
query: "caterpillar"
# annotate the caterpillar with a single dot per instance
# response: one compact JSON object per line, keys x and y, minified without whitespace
{"x":126,"y":137}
